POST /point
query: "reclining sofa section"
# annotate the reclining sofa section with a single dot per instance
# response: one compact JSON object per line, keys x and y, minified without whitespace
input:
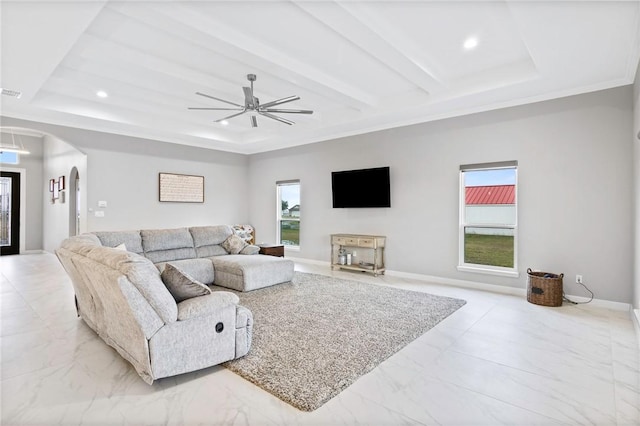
{"x":121,"y":296}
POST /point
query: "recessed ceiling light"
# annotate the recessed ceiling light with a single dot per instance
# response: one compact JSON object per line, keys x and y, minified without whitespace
{"x":470,"y":43}
{"x":224,"y":122}
{"x":102,"y":94}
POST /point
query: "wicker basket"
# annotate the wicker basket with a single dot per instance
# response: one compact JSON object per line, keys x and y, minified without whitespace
{"x":544,"y":288}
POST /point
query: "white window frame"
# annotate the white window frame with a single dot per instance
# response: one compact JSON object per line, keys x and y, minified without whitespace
{"x":279,"y":185}
{"x":487,"y":269}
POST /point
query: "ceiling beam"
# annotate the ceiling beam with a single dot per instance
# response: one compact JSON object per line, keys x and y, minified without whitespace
{"x":235,"y":44}
{"x":369,"y":41}
{"x":396,"y":40}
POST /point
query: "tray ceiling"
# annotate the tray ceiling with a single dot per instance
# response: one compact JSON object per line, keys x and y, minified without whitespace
{"x":360,"y":65}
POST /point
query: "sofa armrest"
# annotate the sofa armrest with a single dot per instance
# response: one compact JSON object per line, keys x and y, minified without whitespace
{"x":250,"y":249}
{"x":204,"y":305}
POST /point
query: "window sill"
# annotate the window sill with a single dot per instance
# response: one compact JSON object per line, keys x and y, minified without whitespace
{"x":489,"y":271}
{"x":292,"y":248}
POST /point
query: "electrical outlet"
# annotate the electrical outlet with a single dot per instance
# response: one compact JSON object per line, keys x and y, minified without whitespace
{"x":578,"y":279}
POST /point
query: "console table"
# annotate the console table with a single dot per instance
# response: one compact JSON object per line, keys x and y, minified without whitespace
{"x":370,"y":250}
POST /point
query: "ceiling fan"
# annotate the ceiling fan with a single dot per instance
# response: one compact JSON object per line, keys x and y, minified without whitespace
{"x":252,"y":104}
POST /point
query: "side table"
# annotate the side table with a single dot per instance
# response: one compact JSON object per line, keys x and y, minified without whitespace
{"x":272,"y":249}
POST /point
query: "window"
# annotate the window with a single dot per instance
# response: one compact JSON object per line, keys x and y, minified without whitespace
{"x":488,"y":218}
{"x":9,"y":157}
{"x":288,"y":205}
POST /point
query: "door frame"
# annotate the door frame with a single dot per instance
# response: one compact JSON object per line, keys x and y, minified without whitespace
{"x":23,"y":204}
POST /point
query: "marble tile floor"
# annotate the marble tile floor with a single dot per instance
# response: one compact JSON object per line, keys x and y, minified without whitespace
{"x":498,"y":360}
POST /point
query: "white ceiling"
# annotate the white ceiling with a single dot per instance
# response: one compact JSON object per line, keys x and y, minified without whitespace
{"x":360,"y":65}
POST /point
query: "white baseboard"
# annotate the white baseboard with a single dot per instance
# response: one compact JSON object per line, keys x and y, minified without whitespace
{"x":33,"y":252}
{"x":310,"y":261}
{"x":635,"y":318}
{"x":514,"y":291}
{"x":460,"y":283}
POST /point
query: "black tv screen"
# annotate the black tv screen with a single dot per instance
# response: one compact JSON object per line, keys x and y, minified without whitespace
{"x":361,"y":188}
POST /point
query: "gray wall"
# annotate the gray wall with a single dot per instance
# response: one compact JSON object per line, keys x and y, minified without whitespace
{"x":574,"y":176}
{"x":129,"y":184}
{"x":33,"y":165}
{"x":576,"y":188}
{"x":124,"y":172}
{"x":59,"y":158}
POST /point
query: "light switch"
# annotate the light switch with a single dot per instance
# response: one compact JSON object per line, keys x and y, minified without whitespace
{"x":102,"y":204}
{"x":99,"y":213}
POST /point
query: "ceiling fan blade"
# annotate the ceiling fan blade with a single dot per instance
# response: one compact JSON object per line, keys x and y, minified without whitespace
{"x":231,"y":116}
{"x":275,"y":117}
{"x":280,"y":101}
{"x":217,"y":109}
{"x":218,"y":99}
{"x":252,"y":104}
{"x":288,"y":111}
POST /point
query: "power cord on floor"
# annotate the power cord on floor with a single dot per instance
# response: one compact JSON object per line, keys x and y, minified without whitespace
{"x":566,"y":299}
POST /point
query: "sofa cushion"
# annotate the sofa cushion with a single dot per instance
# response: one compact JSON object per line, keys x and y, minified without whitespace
{"x":245,"y":273}
{"x":162,"y":245}
{"x":209,"y":251}
{"x":206,"y":305}
{"x":81,"y":243}
{"x":131,"y":239}
{"x":199,"y":269}
{"x":207,"y":239}
{"x":142,"y":274}
{"x":234,"y":244}
{"x":181,"y":285}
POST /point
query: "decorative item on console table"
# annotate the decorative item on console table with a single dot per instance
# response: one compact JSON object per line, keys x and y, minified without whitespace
{"x":272,"y":249}
{"x":371,"y":245}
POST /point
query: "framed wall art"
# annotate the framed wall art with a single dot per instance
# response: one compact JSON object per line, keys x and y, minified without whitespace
{"x":178,"y":188}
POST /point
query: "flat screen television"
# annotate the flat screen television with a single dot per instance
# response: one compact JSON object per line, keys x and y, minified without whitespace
{"x":361,"y":188}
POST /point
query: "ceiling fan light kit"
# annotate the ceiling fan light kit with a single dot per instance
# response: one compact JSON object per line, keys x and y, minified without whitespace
{"x":252,"y":104}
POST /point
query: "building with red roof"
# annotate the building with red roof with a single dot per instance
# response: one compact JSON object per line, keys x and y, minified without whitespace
{"x":491,"y":194}
{"x":490,"y":205}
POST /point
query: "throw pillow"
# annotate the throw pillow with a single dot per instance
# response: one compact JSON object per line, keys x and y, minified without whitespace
{"x":121,"y":247}
{"x":234,"y":244}
{"x":181,"y":285}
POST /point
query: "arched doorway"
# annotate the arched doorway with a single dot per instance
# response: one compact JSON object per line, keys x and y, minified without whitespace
{"x":74,"y":202}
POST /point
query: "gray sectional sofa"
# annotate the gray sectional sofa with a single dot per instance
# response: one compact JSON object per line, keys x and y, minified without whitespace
{"x":117,"y":278}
